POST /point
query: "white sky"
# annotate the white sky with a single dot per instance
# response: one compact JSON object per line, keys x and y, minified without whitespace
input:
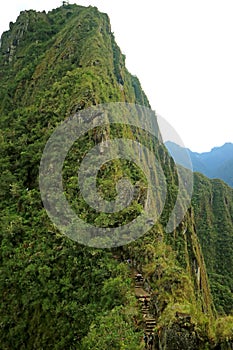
{"x":182,"y":52}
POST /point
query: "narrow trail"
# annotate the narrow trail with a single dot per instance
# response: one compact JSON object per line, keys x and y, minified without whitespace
{"x":149,"y":322}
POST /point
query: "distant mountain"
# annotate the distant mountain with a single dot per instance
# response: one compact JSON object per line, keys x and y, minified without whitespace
{"x":218,"y":163}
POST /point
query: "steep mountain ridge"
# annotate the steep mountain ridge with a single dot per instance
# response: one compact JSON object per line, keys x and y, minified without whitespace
{"x":213,"y":211}
{"x":56,"y":293}
{"x":212,"y":203}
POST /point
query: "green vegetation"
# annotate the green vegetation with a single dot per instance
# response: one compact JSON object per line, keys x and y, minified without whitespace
{"x":58,"y":294}
{"x":213,"y":208}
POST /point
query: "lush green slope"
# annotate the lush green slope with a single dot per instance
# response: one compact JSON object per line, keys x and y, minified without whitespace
{"x":57,"y":294}
{"x":213,"y":207}
{"x":52,"y":288}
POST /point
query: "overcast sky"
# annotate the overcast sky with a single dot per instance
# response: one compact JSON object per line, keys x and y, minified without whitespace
{"x":181,"y":51}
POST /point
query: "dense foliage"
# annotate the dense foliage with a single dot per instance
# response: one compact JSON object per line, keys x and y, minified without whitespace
{"x":57,"y":294}
{"x":213,"y":207}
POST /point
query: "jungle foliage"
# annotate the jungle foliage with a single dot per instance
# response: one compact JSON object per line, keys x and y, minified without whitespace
{"x":56,"y":293}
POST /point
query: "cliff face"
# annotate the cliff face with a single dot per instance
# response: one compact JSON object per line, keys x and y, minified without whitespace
{"x":212,"y":203}
{"x":213,"y":212}
{"x":55,"y":291}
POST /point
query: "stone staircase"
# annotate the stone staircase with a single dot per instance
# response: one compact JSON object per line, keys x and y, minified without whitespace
{"x":141,"y":294}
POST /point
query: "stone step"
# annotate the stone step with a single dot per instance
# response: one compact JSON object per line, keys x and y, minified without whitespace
{"x":150,"y":325}
{"x":148,"y":319}
{"x":145,"y":311}
{"x":150,"y":329}
{"x":150,"y":322}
